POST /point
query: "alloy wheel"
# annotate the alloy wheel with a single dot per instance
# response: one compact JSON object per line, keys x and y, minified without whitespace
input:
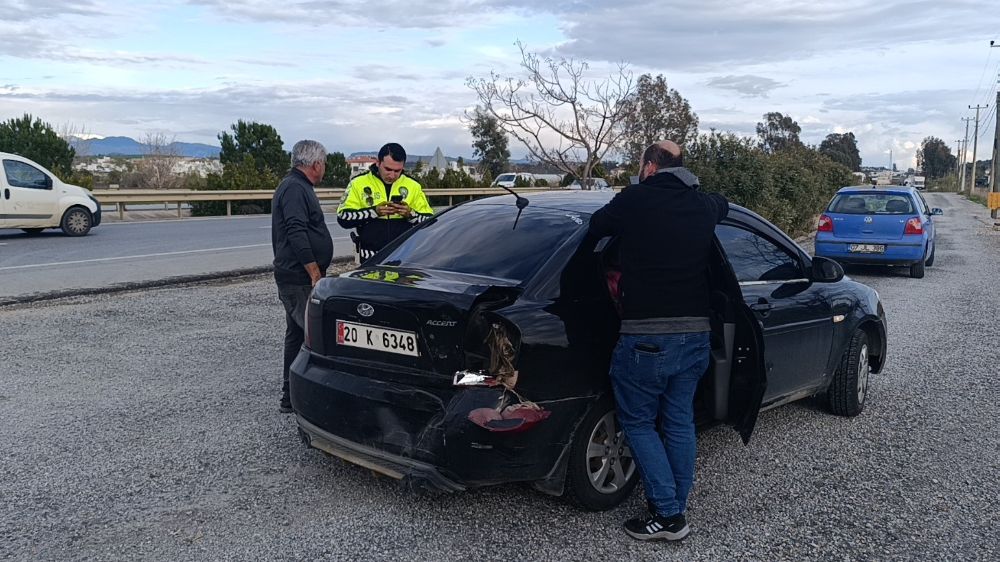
{"x":863,"y":370}
{"x":609,"y":460}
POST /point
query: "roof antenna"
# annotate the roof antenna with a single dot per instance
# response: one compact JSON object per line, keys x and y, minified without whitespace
{"x":521,"y":203}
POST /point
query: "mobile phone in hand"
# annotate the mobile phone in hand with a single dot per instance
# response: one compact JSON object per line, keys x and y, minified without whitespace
{"x":396,"y":199}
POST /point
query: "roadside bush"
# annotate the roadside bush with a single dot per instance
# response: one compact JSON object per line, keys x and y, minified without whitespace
{"x":82,"y":178}
{"x":235,"y":177}
{"x":789,"y":187}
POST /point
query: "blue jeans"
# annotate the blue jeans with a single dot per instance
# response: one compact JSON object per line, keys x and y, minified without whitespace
{"x":655,"y":376}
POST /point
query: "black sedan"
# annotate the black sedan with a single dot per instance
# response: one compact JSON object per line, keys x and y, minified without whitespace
{"x":474,"y":350}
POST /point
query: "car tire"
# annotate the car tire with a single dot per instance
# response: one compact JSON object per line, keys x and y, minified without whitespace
{"x":600,"y":480}
{"x":32,"y":231}
{"x":930,"y":260}
{"x":848,"y":390}
{"x":917,"y":270}
{"x":76,"y":221}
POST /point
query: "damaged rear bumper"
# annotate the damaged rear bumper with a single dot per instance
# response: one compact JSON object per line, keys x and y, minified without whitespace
{"x":422,"y":433}
{"x":417,"y":474}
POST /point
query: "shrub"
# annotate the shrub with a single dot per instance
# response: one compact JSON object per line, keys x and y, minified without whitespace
{"x":789,"y":187}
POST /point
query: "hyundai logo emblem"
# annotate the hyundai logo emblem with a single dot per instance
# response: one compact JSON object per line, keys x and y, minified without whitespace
{"x":868,"y":220}
{"x":365,"y":309}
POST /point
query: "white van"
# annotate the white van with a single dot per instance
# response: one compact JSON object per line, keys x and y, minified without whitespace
{"x":508,"y":179}
{"x":33,"y":199}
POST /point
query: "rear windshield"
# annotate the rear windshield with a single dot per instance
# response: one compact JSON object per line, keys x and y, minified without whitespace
{"x":872,"y":203}
{"x":479,"y":239}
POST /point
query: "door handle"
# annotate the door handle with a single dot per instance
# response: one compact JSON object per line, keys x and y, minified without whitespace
{"x":762,"y":306}
{"x":6,"y":194}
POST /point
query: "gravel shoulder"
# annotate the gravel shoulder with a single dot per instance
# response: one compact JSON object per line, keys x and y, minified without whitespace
{"x":144,"y":425}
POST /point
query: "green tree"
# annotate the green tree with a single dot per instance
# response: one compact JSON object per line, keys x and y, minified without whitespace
{"x":489,"y":143}
{"x":843,"y":149}
{"x":778,"y":132}
{"x":31,"y":138}
{"x":338,"y":171}
{"x":935,"y":158}
{"x":258,"y":141}
{"x":252,"y":157}
{"x":652,"y":113}
{"x":789,"y":187}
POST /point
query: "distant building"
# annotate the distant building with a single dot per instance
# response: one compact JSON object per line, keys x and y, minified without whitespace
{"x":360,"y":164}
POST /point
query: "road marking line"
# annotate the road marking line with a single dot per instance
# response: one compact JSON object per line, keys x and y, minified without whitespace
{"x":133,"y":257}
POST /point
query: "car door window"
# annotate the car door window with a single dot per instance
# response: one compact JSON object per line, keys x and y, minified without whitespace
{"x":755,"y":258}
{"x":925,"y":209}
{"x":20,"y":174}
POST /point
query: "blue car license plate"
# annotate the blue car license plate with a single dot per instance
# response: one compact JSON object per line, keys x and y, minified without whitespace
{"x":867,"y":248}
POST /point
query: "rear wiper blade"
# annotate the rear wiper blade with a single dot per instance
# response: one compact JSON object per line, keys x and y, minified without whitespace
{"x":521,"y":203}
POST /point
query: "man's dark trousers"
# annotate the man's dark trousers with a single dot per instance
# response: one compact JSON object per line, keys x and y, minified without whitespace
{"x":294,"y":299}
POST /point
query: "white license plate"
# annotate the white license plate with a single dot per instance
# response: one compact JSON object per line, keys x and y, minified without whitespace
{"x":867,"y":248}
{"x":377,"y":339}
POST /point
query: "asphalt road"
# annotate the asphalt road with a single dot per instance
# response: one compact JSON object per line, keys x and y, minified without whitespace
{"x":132,"y":252}
{"x":145,"y":426}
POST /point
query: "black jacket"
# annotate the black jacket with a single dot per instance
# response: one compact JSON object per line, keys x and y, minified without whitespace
{"x":299,"y":234}
{"x":666,"y":227}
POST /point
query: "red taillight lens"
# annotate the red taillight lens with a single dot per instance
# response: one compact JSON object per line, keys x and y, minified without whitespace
{"x":914,"y":226}
{"x":825,"y":224}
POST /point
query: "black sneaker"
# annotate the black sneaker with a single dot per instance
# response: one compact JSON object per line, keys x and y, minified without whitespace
{"x":286,"y":406}
{"x":651,"y":528}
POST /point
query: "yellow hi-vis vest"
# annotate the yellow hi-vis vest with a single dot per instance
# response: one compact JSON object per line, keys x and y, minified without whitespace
{"x":367,"y":190}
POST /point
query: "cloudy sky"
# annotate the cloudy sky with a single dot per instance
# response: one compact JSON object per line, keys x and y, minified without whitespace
{"x":354,"y":75}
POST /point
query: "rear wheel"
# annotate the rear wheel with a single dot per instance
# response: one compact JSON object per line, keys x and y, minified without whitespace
{"x":77,"y":221}
{"x":849,"y":387}
{"x":917,"y":270}
{"x":930,"y":260}
{"x":601,"y":472}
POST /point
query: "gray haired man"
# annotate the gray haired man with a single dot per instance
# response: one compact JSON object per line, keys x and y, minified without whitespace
{"x":303,"y":248}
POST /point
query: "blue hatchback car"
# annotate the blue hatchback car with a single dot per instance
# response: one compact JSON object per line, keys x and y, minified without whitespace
{"x":887,"y":225}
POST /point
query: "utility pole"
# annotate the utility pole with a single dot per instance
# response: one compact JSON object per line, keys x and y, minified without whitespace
{"x":975,"y":146}
{"x":958,"y":157}
{"x":993,"y":158}
{"x":965,"y":155}
{"x":994,"y":168}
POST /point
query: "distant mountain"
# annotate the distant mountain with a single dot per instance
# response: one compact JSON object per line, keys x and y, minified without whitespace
{"x":125,"y":146}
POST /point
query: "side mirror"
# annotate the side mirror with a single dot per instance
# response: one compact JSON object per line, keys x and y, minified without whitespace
{"x":937,"y":211}
{"x":825,"y":270}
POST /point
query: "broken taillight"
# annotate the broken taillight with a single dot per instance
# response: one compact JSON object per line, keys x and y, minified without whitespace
{"x":501,"y":372}
{"x":512,"y":419}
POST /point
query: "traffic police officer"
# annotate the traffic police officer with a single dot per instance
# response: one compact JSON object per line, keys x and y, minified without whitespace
{"x":382,"y":203}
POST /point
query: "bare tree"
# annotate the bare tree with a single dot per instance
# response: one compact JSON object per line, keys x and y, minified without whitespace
{"x":77,"y":137}
{"x":561,"y":116}
{"x":156,"y":167}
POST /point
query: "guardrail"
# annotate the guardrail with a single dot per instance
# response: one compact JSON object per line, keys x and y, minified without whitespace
{"x":122,"y":197}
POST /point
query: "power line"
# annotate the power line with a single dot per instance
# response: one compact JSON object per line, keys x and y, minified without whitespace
{"x":981,"y":76}
{"x":988,"y":94}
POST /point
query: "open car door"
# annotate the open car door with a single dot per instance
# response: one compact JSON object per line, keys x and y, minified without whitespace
{"x":738,"y":395}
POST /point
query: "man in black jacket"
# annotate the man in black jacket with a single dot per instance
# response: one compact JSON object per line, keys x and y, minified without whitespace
{"x":303,"y":248}
{"x":666,"y":227}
